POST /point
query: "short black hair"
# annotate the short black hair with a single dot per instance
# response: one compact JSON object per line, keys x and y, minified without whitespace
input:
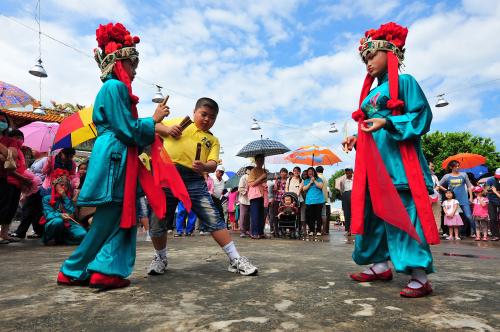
{"x":207,"y":102}
{"x":452,"y":193}
{"x":284,"y":170}
{"x":347,"y":169}
{"x":68,"y":151}
{"x":320,"y":169}
{"x":13,"y":132}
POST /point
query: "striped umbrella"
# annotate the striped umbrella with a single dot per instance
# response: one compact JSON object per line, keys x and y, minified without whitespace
{"x":75,"y":129}
{"x":266,"y":147}
{"x":313,"y":155}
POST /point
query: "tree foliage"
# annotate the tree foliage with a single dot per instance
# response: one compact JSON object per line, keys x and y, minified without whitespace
{"x":331,"y":184}
{"x":438,"y":146}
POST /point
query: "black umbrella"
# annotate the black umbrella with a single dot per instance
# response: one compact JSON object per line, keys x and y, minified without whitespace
{"x":266,"y":147}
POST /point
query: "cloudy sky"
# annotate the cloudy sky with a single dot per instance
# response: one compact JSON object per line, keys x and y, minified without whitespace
{"x":293,"y":65}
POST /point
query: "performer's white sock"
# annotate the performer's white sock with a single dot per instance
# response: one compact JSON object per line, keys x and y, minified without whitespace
{"x":378,"y":268}
{"x":420,"y":275}
{"x":230,"y":250}
{"x":162,"y":253}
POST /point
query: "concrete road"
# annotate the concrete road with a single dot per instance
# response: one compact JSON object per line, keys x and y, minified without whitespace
{"x":301,"y":286}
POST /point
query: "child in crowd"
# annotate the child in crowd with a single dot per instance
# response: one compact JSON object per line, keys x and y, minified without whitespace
{"x":231,"y":208}
{"x":451,"y":217}
{"x":183,"y":145}
{"x":480,"y":213}
{"x":58,"y":211}
{"x":288,"y":209}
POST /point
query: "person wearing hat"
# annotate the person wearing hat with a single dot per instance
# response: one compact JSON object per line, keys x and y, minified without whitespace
{"x":493,"y":186}
{"x":218,"y":189}
{"x":58,"y":220}
{"x":391,"y":214}
{"x":106,"y":256}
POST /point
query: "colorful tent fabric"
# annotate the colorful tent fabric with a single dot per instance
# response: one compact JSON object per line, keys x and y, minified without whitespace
{"x":75,"y":129}
{"x":12,"y":96}
{"x":313,"y":155}
{"x":39,"y":135}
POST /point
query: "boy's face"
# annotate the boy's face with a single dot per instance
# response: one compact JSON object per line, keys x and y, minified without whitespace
{"x":376,"y":63}
{"x":288,"y":201}
{"x":204,"y":118}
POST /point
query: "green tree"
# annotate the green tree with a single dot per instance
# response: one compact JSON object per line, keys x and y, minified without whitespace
{"x":331,"y":184}
{"x":438,"y":146}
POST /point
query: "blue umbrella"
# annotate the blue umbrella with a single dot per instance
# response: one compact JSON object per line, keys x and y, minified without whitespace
{"x":477,"y":171}
{"x":230,"y":174}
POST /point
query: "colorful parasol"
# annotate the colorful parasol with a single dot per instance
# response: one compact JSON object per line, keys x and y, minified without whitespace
{"x":75,"y":129}
{"x":466,"y":160}
{"x":12,"y":96}
{"x":313,"y":155}
{"x":39,"y":135}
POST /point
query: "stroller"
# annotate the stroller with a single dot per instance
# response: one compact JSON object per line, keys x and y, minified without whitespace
{"x":289,"y":216}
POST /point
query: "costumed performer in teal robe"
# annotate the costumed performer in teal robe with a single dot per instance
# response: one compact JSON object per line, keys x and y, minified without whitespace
{"x":391,"y":211}
{"x":58,"y":213}
{"x":107,"y":254}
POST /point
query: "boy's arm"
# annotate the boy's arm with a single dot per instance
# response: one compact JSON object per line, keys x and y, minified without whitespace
{"x":200,"y":167}
{"x":174,"y":131}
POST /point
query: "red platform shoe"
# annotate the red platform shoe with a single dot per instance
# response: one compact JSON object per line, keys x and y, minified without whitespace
{"x":64,"y":280}
{"x":425,"y":290}
{"x":364,"y":277}
{"x":104,"y":282}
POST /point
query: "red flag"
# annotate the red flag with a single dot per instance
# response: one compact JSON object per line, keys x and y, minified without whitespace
{"x":166,"y":175}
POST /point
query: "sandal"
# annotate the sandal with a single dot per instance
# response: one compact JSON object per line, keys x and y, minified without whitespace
{"x":365,"y":277}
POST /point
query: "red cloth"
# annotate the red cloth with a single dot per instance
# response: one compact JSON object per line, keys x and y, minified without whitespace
{"x":370,"y":169}
{"x":21,"y":168}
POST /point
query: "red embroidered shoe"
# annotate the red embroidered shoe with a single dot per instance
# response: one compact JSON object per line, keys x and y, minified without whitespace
{"x":425,"y":290}
{"x":105,"y":282}
{"x":365,"y":277}
{"x":64,"y":280}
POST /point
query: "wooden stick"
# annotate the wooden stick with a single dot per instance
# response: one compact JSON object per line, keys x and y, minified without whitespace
{"x":164,"y":102}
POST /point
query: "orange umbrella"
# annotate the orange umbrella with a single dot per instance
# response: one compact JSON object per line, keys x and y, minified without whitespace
{"x":313,"y":155}
{"x":466,"y":160}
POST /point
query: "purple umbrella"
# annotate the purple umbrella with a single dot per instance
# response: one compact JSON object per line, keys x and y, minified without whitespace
{"x":12,"y":96}
{"x":39,"y":135}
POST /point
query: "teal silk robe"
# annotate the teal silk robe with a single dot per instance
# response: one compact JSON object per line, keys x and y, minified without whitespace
{"x":107,"y":248}
{"x":381,"y":241}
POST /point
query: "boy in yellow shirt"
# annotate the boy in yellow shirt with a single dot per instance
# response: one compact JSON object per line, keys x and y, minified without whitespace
{"x":182,"y":147}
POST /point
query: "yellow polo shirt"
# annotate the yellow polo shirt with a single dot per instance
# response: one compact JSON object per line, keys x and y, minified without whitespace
{"x":183,"y":150}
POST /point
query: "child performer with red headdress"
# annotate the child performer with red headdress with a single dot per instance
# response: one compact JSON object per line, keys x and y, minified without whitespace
{"x":107,"y":254}
{"x":391,"y":213}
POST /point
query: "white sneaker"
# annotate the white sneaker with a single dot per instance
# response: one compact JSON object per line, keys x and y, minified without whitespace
{"x":311,"y":233}
{"x":157,"y":266}
{"x":242,"y":266}
{"x":318,"y":234}
{"x":449,"y":237}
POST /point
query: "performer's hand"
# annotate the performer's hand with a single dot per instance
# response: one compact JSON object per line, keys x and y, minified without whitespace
{"x":374,"y":124}
{"x":174,"y":131}
{"x":62,"y":192}
{"x":65,"y":216}
{"x":198,"y":166}
{"x":349,"y":142}
{"x":161,"y":112}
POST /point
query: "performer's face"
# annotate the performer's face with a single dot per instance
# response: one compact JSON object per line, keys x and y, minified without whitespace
{"x":204,"y":118}
{"x":376,"y":63}
{"x":130,"y":67}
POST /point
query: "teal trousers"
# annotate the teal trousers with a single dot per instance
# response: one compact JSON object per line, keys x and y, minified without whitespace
{"x":55,"y":230}
{"x":107,"y":248}
{"x":382,"y":242}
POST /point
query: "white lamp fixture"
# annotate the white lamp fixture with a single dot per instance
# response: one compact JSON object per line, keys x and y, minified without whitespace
{"x":38,"y":69}
{"x":255,"y":125}
{"x":221,"y":151}
{"x":158,"y":97}
{"x":333,"y":129}
{"x":39,"y":111}
{"x":441,"y":102}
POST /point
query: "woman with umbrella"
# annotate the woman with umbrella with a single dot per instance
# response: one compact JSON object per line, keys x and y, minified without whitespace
{"x":257,"y":193}
{"x":460,"y":184}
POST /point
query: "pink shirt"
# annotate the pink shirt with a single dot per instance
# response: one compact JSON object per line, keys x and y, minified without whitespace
{"x":210,"y":185}
{"x":480,"y":211}
{"x":231,"y":201}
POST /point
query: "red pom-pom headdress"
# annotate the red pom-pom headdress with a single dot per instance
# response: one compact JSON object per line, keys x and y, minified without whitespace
{"x":115,"y":43}
{"x":59,"y":176}
{"x":390,"y":37}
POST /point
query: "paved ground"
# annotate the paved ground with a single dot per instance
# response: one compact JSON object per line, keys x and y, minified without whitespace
{"x":301,"y":286}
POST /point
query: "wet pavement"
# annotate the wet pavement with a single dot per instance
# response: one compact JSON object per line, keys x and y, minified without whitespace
{"x":301,"y":286}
